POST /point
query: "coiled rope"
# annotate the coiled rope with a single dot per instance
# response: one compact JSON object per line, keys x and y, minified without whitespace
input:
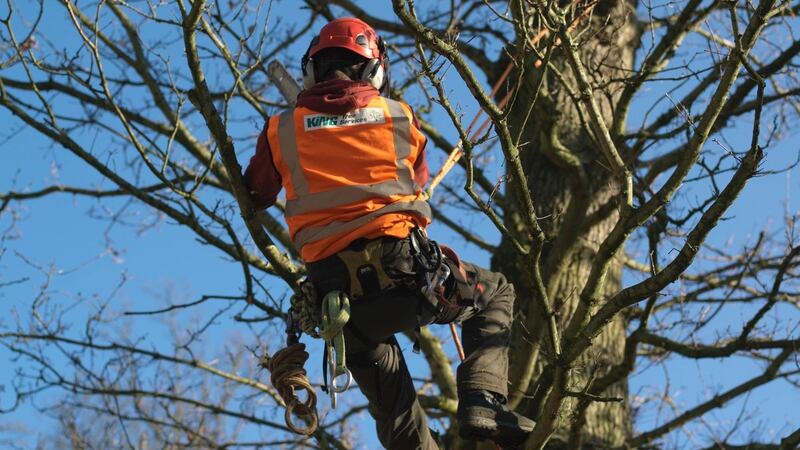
{"x":289,"y":377}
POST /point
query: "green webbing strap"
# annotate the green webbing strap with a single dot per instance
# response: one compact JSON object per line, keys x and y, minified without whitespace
{"x":335,"y":314}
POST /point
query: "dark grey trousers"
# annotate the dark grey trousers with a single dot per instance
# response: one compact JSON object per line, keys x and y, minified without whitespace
{"x":377,"y":363}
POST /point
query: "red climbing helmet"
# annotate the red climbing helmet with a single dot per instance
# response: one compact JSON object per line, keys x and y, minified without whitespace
{"x":356,"y":36}
{"x":349,"y":33}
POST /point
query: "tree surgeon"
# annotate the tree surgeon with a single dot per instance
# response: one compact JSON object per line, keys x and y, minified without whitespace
{"x":353,"y":165}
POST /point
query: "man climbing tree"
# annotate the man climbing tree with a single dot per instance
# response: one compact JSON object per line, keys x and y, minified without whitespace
{"x":353,"y":166}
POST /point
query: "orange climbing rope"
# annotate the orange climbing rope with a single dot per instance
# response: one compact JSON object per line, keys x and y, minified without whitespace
{"x":457,"y":341}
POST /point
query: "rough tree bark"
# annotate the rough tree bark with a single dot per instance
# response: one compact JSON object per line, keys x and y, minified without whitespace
{"x":567,"y":175}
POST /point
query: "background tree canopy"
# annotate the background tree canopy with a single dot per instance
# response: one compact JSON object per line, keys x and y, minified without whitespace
{"x":139,"y":288}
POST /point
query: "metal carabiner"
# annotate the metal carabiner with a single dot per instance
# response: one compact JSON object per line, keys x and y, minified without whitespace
{"x":441,"y":277}
{"x":292,"y":326}
{"x":333,"y":389}
{"x":331,"y":370}
{"x":348,"y":381}
{"x":434,"y":289}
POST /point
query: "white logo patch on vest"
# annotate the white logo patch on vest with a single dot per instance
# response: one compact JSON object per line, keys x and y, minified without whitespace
{"x":361,"y":116}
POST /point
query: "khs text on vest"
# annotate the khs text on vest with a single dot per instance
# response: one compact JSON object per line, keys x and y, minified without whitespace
{"x":361,"y":116}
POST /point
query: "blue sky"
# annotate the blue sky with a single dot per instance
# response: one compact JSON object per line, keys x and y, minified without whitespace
{"x":162,"y":263}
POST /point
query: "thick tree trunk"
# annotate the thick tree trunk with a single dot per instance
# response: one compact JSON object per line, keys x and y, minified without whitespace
{"x":555,"y":125}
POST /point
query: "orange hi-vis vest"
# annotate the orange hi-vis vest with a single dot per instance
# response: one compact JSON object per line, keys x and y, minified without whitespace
{"x":348,"y":176}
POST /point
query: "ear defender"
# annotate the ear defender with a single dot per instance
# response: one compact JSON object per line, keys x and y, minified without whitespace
{"x":374,"y":73}
{"x":309,"y":80}
{"x":307,"y":66}
{"x":374,"y":70}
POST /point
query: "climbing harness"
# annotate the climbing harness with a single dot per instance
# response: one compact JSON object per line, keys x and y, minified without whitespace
{"x":365,"y":269}
{"x":439,"y":279}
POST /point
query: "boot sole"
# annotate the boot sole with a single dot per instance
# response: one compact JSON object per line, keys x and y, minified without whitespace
{"x":491,"y":423}
{"x":489,"y":428}
{"x":479,"y":427}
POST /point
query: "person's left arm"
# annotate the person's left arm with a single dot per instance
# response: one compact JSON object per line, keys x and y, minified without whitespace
{"x":261,"y":177}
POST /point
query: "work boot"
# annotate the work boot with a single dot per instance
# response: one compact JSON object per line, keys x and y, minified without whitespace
{"x":484,"y":415}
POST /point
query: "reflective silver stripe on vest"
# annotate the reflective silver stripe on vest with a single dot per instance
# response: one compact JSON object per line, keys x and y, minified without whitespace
{"x":348,"y":194}
{"x":401,"y":131}
{"x":308,"y":202}
{"x":312,"y":234}
{"x":288,"y":142}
